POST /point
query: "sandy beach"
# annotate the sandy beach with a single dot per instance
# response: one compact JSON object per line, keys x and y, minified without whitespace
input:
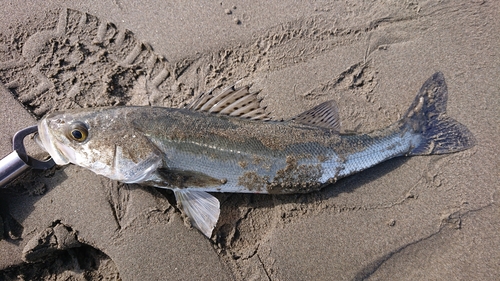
{"x":410,"y":218}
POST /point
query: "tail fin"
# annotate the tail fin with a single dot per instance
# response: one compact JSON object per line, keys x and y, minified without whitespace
{"x":427,"y":115}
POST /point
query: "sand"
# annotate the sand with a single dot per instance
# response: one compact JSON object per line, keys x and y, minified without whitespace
{"x":419,"y":218}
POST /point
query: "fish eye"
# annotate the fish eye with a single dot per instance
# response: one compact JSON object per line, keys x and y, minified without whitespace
{"x":77,"y":132}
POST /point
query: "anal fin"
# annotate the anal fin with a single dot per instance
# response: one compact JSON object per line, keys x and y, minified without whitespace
{"x":201,"y":207}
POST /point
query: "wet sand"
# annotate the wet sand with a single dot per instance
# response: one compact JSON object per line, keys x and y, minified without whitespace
{"x":418,"y":218}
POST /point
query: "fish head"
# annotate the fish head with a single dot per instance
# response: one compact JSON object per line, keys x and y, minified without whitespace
{"x":100,"y":140}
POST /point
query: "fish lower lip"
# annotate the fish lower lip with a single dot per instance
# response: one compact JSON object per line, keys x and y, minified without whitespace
{"x":38,"y":141}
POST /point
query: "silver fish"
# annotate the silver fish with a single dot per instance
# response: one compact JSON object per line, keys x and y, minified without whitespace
{"x":226,"y":143}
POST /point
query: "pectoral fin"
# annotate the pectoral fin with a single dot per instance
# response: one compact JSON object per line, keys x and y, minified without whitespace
{"x":201,"y":207}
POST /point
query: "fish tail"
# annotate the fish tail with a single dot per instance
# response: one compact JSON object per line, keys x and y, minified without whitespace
{"x":427,"y":117}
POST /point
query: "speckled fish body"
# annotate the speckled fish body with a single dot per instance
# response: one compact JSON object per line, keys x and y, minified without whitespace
{"x":203,"y":149}
{"x":186,"y":149}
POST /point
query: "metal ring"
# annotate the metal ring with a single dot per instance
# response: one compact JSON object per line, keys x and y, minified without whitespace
{"x":18,"y":146}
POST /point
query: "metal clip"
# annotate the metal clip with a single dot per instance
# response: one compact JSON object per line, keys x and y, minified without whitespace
{"x":18,"y":160}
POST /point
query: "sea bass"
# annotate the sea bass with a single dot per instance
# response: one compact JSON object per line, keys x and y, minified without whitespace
{"x":227,"y":143}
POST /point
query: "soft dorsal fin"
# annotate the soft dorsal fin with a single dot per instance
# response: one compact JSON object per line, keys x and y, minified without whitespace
{"x":237,"y":102}
{"x":325,"y":115}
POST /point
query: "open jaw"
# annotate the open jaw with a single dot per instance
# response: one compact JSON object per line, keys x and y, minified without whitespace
{"x":61,"y":153}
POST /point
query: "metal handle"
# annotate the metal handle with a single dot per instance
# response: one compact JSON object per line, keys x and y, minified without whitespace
{"x":11,"y":167}
{"x":18,"y":161}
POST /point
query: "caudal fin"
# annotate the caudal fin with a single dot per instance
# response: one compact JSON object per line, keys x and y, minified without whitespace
{"x":427,"y":116}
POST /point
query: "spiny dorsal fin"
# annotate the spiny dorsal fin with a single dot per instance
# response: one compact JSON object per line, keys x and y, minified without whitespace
{"x":325,"y":115}
{"x":237,"y":102}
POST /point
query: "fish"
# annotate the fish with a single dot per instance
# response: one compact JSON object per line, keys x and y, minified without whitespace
{"x":227,"y":142}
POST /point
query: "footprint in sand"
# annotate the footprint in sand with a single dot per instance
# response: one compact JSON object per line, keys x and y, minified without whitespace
{"x":84,"y":62}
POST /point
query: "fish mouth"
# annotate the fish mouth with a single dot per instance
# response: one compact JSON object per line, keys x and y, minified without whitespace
{"x":56,"y":150}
